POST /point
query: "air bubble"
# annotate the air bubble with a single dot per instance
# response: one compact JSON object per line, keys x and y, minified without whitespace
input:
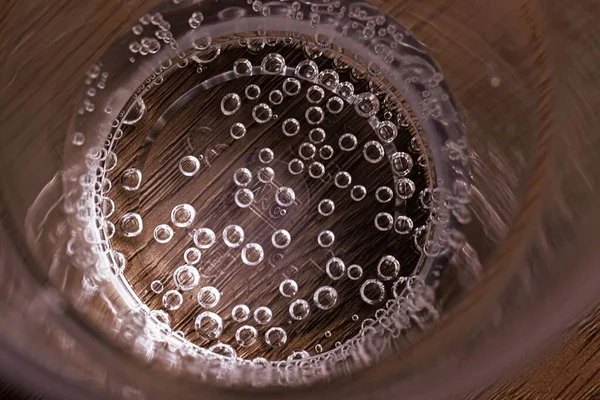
{"x":384,"y":194}
{"x":366,"y":104}
{"x":372,"y":291}
{"x":246,"y":335}
{"x":186,"y":277}
{"x":163,"y":233}
{"x":275,"y":337}
{"x":354,"y":272}
{"x":329,"y":78}
{"x":388,"y":268}
{"x":189,"y":165}
{"x":326,"y":152}
{"x":252,"y":254}
{"x":281,"y":239}
{"x":285,"y":196}
{"x":223,"y":350}
{"x":335,"y":268}
{"x":384,"y":221}
{"x":373,"y":151}
{"x":135,"y":112}
{"x":192,"y":256}
{"x":405,"y":188}
{"x":262,"y":113}
{"x":299,"y":309}
{"x":276,"y":97}
{"x":266,"y":174}
{"x":242,"y":177}
{"x":316,"y":170}
{"x":78,"y":139}
{"x":252,"y":92}
{"x":266,"y":155}
{"x":244,"y":198}
{"x":230,"y":104}
{"x":196,"y":19}
{"x":342,"y":179}
{"x":290,"y":127}
{"x":402,"y":163}
{"x":295,"y":166}
{"x":208,"y":296}
{"x":237,"y":130}
{"x":315,"y":94}
{"x":316,"y":135}
{"x":335,"y":105}
{"x":273,"y":64}
{"x":288,"y":288}
{"x":242,"y":67}
{"x":233,"y":236}
{"x":131,"y":224}
{"x":325,"y":297}
{"x":172,"y":300}
{"x":183,"y":215}
{"x":307,"y":70}
{"x":157,"y":287}
{"x":387,"y":131}
{"x":346,"y":91}
{"x":209,"y":325}
{"x":325,"y":238}
{"x":263,"y":315}
{"x":326,"y":207}
{"x":347,"y":142}
{"x":240,"y":313}
{"x":358,"y":192}
{"x":291,"y":86}
{"x":131,"y":179}
{"x":314,"y":115}
{"x":307,"y":151}
{"x":204,"y":238}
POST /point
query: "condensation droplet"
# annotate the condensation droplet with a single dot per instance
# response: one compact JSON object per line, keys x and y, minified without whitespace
{"x":315,"y":94}
{"x":242,"y":67}
{"x":291,"y":86}
{"x":387,"y":131}
{"x":307,"y":69}
{"x":326,"y":152}
{"x":307,"y":151}
{"x":276,"y":97}
{"x":335,"y":105}
{"x":273,"y":64}
{"x":316,"y":170}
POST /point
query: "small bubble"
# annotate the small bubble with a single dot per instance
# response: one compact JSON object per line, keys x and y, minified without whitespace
{"x":189,"y":165}
{"x":314,"y":115}
{"x":281,"y":239}
{"x":388,"y":268}
{"x":402,"y":163}
{"x":157,"y":287}
{"x":237,"y":130}
{"x":384,"y":194}
{"x":342,"y":179}
{"x":325,"y":297}
{"x":387,"y":131}
{"x":316,"y":170}
{"x":131,"y":224}
{"x":163,"y":233}
{"x":366,"y":104}
{"x":131,"y":179}
{"x":209,"y":325}
{"x":161,"y":317}
{"x":315,"y":94}
{"x":263,"y":315}
{"x":325,"y":238}
{"x":355,"y":317}
{"x":172,"y":300}
{"x":316,"y":135}
{"x":252,"y":254}
{"x":244,"y":197}
{"x":252,"y":92}
{"x":78,"y":139}
{"x":266,"y":174}
{"x":240,"y":313}
{"x":204,"y":238}
{"x":329,"y":78}
{"x":372,"y":291}
{"x":183,"y":215}
{"x":290,"y":127}
{"x":288,"y":288}
{"x":318,"y":348}
{"x":326,"y":152}
{"x":295,"y":166}
{"x":335,"y":105}
{"x":242,"y":67}
{"x":291,"y":86}
{"x":285,"y":196}
{"x":405,"y":188}
{"x":196,"y":20}
{"x":275,"y":337}
{"x":384,"y":221}
{"x":335,"y":268}
{"x":266,"y":155}
{"x":354,"y":272}
{"x":328,"y":334}
{"x":347,"y":142}
{"x":299,"y":309}
{"x":262,"y":113}
{"x":192,"y":256}
{"x":358,"y":192}
{"x":273,"y":64}
{"x":223,"y":350}
{"x":373,"y":151}
{"x":233,"y":236}
{"x":298,"y":355}
{"x":307,"y":70}
{"x":137,"y":29}
{"x":208,"y":296}
{"x":186,"y":277}
{"x":230,"y":104}
{"x":276,"y":97}
{"x":246,"y":335}
{"x":346,"y":91}
{"x":242,"y":177}
{"x":326,"y":207}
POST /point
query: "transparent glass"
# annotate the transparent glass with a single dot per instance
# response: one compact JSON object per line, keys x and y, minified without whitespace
{"x":247,"y":199}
